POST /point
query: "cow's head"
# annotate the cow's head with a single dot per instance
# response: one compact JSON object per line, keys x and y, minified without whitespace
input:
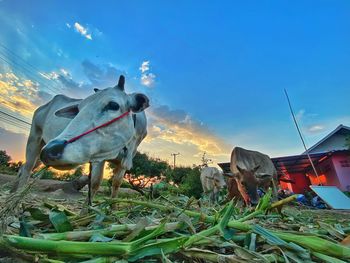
{"x":103,"y":144}
{"x":218,"y":180}
{"x":248,"y":183}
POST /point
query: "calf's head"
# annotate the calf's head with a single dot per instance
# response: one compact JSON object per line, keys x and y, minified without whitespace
{"x":219,"y":182}
{"x":102,"y":144}
{"x":248,"y":183}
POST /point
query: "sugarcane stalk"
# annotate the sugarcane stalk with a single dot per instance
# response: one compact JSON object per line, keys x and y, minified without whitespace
{"x":81,"y":248}
{"x":316,"y":244}
{"x":215,"y":257}
{"x":283,"y":201}
{"x":101,"y":260}
{"x":310,"y":242}
{"x":326,"y":258}
{"x":109,"y":231}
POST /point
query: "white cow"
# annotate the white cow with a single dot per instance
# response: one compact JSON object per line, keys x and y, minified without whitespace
{"x":56,"y":125}
{"x":212,"y":182}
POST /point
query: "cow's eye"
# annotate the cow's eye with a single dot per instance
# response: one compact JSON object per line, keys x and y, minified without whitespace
{"x":111,"y":106}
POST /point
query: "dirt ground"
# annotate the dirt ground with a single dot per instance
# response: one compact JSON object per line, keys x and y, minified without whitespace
{"x":69,"y":190}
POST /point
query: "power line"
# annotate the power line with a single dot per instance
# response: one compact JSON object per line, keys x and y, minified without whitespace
{"x":18,"y":125}
{"x":26,"y":62}
{"x":20,"y":58}
{"x":29,"y":73}
{"x":14,"y":117}
{"x":9,"y":109}
{"x":13,"y":122}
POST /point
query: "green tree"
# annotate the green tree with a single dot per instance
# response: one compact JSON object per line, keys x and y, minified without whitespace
{"x":178,"y":174}
{"x":147,"y":166}
{"x":4,"y":158}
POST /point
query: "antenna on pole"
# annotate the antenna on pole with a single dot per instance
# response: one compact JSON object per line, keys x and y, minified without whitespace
{"x":301,"y":137}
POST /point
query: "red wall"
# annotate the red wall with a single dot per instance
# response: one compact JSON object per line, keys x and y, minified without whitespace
{"x":301,"y":183}
{"x":327,"y":173}
{"x":332,"y":171}
{"x":300,"y":186}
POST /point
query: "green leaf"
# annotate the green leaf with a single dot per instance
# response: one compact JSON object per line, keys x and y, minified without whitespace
{"x":140,"y":226}
{"x":264,"y":201}
{"x":24,"y":229}
{"x":227,"y":233}
{"x":37,"y":214}
{"x":297,"y":253}
{"x":60,"y":221}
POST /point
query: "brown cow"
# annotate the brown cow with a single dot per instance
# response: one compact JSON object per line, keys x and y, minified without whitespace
{"x":251,"y":170}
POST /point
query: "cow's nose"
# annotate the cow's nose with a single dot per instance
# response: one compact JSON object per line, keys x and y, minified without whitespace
{"x":52,"y":151}
{"x":254,"y":201}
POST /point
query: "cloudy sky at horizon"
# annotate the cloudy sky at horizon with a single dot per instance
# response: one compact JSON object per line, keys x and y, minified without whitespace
{"x":215,"y":73}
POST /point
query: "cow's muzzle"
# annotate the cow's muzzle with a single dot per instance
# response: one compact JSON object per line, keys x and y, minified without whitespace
{"x":52,"y":152}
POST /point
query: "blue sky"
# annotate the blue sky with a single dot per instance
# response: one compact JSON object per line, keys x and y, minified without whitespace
{"x":215,"y":71}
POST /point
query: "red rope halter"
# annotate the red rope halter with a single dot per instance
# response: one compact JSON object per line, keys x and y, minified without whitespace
{"x":98,"y":127}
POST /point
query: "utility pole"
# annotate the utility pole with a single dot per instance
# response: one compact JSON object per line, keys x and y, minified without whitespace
{"x":174,"y":155}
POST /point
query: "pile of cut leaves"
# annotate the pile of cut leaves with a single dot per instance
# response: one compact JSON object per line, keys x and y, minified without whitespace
{"x":169,"y":229}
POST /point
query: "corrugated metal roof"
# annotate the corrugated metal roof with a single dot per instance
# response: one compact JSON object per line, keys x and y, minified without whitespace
{"x":292,"y":164}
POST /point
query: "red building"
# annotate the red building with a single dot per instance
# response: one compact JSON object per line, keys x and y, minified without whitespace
{"x":330,"y":157}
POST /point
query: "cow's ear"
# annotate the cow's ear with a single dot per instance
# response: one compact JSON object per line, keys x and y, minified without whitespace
{"x":68,"y":112}
{"x":96,"y":89}
{"x":241,"y":170}
{"x":121,"y":83}
{"x":138,"y":102}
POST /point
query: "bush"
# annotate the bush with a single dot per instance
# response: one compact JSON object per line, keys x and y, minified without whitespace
{"x":48,"y":174}
{"x":71,"y":176}
{"x":4,"y":158}
{"x":191,"y":184}
{"x":6,"y":166}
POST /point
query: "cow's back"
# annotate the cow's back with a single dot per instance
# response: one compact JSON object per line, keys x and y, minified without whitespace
{"x":248,"y":160}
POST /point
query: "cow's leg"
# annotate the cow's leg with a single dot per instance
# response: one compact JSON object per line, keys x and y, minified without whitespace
{"x":118,"y":174}
{"x":34,"y":145}
{"x":243,"y":193}
{"x":96,"y":178}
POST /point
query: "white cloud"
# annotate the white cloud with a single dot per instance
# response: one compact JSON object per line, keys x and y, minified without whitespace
{"x":148,"y":79}
{"x":316,"y":128}
{"x":82,"y":30}
{"x":50,"y":76}
{"x":144,"y":66}
{"x":68,"y":25}
{"x":64,"y":72}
